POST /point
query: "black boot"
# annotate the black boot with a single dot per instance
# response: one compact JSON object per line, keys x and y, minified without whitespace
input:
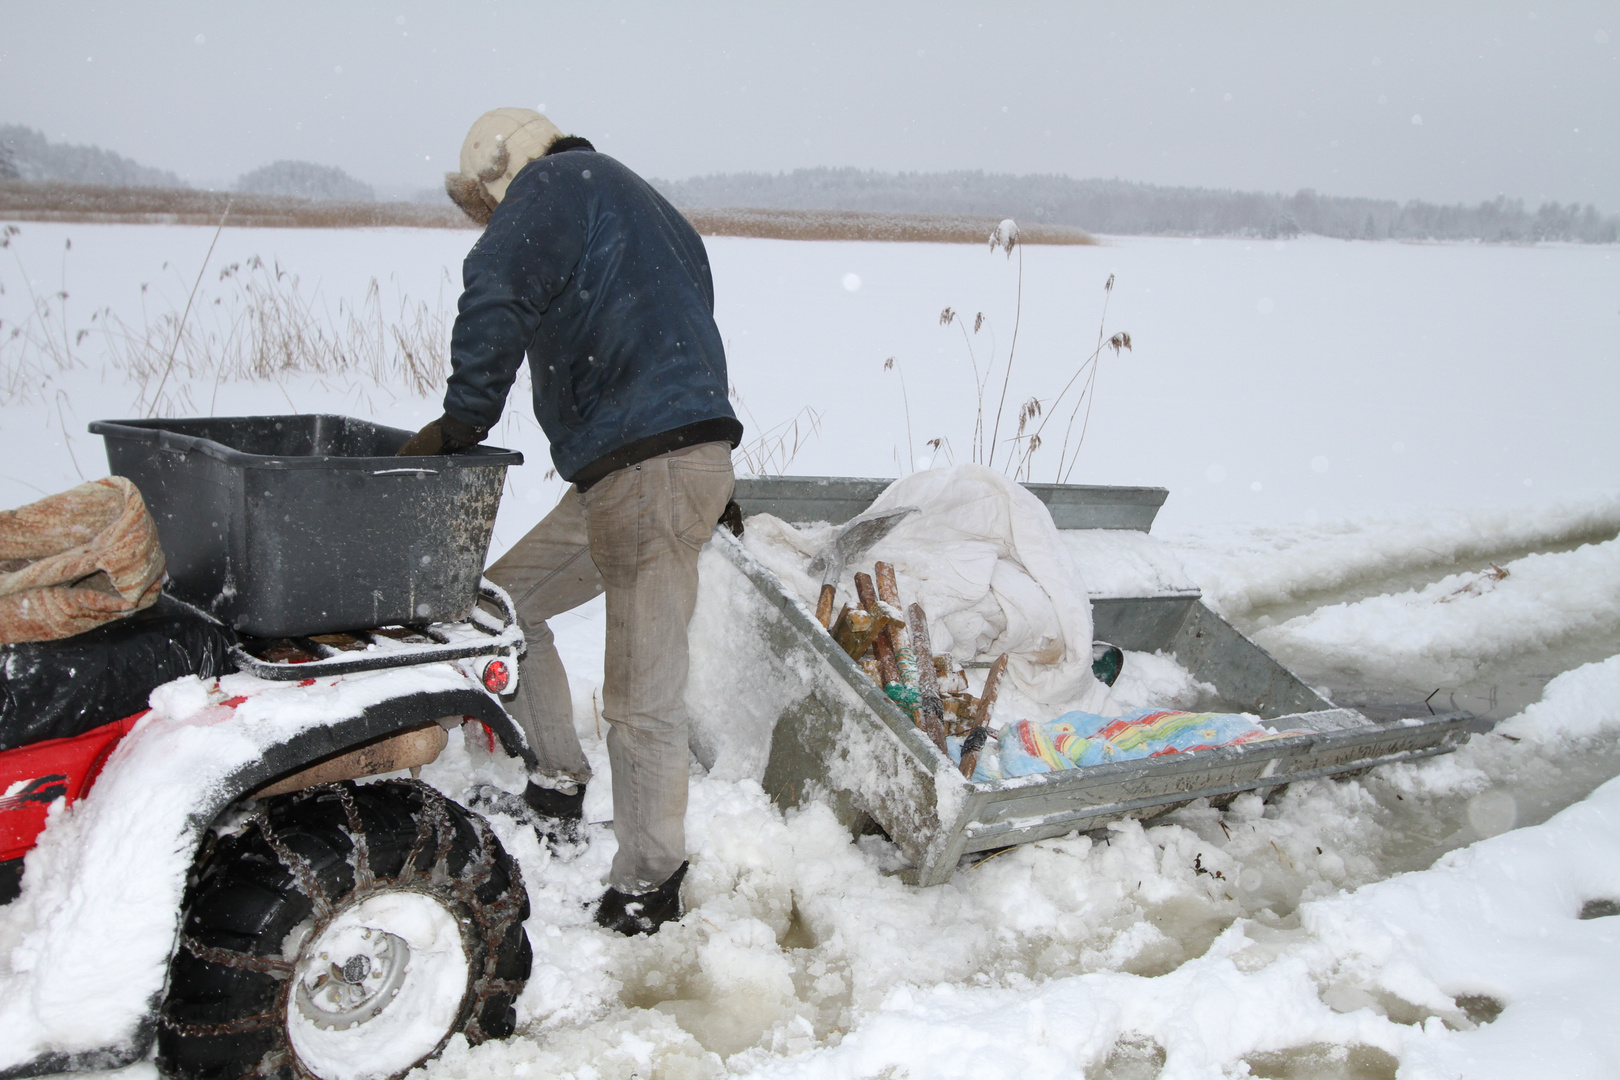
{"x":559,"y":816}
{"x":642,"y":913}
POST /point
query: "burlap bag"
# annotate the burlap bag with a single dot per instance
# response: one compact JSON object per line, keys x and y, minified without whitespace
{"x":71,"y":562}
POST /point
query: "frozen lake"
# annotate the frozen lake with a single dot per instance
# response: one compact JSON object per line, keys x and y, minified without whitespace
{"x":1269,"y":381}
{"x":1357,"y":438}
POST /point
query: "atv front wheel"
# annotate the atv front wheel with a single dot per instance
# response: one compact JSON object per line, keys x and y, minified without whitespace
{"x":345,"y":934}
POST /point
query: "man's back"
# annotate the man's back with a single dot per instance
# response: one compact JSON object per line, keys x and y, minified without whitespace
{"x":608,"y":289}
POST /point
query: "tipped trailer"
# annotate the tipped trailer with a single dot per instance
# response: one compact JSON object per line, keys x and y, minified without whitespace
{"x":834,"y":735}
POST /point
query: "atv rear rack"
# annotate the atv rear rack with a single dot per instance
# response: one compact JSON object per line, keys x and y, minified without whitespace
{"x":378,"y":648}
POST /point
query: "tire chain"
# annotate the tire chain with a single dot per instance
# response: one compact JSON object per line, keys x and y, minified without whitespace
{"x":493,"y":921}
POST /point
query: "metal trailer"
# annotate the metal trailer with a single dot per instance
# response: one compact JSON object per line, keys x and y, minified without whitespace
{"x":837,"y":737}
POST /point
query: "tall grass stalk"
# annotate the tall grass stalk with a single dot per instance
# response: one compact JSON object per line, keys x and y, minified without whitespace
{"x":1006,"y":235}
{"x":1087,"y":368}
{"x":771,"y":452}
{"x":905,"y":400}
{"x":169,"y":366}
{"x":1035,"y":413}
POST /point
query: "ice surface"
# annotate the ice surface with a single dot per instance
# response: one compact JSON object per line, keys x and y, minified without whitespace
{"x":1352,"y":364}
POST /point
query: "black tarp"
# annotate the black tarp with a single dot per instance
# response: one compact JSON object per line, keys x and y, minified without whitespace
{"x":58,"y":689}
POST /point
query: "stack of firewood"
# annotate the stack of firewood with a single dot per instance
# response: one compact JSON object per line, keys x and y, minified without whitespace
{"x":893,"y":647}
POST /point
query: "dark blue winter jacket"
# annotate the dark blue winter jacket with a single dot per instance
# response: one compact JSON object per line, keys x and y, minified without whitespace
{"x":607,"y":288}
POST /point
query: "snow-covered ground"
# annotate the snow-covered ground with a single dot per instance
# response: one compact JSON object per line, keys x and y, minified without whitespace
{"x":1394,"y":464}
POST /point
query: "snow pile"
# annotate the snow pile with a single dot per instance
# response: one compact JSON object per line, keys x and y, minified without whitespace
{"x":1449,"y":628}
{"x":1158,"y":680}
{"x":1578,"y":707}
{"x":1198,"y":943}
{"x":741,"y":670}
{"x":1481,"y":966}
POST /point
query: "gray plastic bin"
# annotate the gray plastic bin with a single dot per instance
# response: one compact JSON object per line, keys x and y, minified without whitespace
{"x":307,"y":524}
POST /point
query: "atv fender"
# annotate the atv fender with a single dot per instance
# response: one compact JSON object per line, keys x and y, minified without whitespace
{"x":98,"y":917}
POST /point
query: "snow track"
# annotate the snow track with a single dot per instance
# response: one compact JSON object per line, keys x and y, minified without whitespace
{"x":1466,"y":609}
{"x":1272,"y":573}
{"x":1451,"y":629}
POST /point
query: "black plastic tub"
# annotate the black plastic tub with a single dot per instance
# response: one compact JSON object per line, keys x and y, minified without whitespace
{"x":283,"y":525}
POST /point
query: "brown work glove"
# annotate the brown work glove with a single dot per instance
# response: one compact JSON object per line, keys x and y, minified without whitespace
{"x":446,"y":435}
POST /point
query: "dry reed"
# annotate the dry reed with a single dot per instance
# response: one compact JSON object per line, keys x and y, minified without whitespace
{"x":259,"y":324}
{"x":25,"y":201}
{"x":1029,"y":437}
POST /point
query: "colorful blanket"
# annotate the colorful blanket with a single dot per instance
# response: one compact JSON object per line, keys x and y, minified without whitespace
{"x":1077,"y":739}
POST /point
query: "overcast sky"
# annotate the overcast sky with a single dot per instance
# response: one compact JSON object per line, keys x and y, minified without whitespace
{"x":1435,"y":101}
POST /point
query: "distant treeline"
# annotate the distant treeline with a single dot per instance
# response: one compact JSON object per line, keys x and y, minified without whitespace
{"x":1096,"y":206}
{"x":25,"y":154}
{"x":1124,"y":208}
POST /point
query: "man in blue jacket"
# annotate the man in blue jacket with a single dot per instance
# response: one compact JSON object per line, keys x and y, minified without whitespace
{"x":606,"y":288}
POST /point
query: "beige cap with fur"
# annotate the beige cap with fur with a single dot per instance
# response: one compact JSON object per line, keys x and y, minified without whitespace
{"x":499,"y":144}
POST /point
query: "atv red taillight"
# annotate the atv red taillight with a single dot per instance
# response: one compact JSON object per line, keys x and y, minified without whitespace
{"x":497,"y":677}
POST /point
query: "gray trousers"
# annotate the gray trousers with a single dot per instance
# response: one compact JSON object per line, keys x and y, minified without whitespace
{"x":635,"y":534}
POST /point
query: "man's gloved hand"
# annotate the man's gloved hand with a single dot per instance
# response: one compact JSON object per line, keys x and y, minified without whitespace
{"x":446,"y":435}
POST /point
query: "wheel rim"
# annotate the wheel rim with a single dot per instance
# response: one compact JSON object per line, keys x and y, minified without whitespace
{"x":377,"y":989}
{"x":364,"y":969}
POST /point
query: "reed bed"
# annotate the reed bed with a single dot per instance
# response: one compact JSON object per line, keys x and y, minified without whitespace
{"x":251,"y":320}
{"x":23,"y":201}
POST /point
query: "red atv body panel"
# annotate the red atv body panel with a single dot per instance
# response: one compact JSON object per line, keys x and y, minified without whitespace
{"x":33,"y":777}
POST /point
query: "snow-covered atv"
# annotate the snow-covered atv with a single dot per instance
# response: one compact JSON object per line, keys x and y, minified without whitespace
{"x":203,"y":896}
{"x":202,"y":871}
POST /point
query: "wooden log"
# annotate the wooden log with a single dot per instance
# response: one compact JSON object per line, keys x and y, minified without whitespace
{"x":905,"y":658}
{"x":930,"y":709}
{"x":992,"y":686}
{"x":838,"y":623}
{"x":883,"y":644}
{"x":887,"y":590}
{"x":950,"y":676}
{"x":865,"y":592}
{"x":972,"y":743}
{"x":854,"y":631}
{"x":824,"y":604}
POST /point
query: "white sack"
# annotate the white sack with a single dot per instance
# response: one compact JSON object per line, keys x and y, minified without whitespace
{"x":984,"y":559}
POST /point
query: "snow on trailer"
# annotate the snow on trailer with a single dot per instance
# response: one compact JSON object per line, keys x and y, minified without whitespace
{"x":774,"y":697}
